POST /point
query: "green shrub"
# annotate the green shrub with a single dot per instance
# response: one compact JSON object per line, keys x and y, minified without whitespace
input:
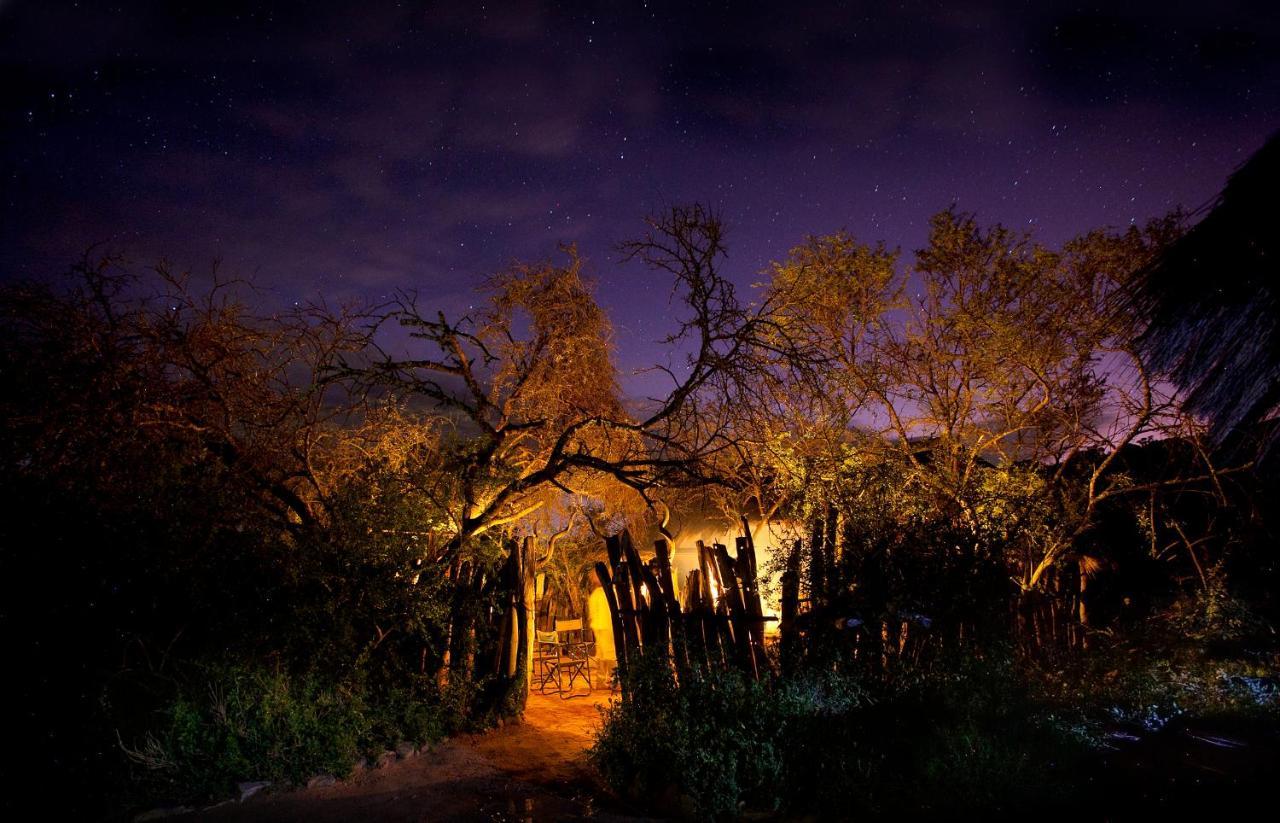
{"x":700,"y":747}
{"x":1215,"y":615}
{"x":1208,"y":656}
{"x":973,"y":738}
{"x":968,"y":738}
{"x":234,"y":723}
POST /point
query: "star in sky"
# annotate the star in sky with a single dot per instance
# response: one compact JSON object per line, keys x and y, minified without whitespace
{"x":353,"y":149}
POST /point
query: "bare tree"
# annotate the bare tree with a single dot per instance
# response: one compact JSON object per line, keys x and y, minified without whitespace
{"x":531,"y":381}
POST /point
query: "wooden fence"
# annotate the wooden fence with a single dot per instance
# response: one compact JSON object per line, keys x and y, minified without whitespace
{"x":718,"y":623}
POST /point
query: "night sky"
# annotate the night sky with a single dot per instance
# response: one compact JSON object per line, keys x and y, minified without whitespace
{"x":353,"y":149}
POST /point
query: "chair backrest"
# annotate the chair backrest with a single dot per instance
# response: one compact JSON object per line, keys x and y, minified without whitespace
{"x":547,"y":637}
{"x":568,"y":625}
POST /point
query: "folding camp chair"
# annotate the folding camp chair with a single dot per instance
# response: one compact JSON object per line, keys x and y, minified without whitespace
{"x":546,"y":657}
{"x":574,"y":661}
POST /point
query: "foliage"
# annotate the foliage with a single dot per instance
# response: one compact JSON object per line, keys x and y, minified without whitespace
{"x":962,"y":738}
{"x":1215,"y":615}
{"x":228,"y":724}
{"x":176,"y":491}
{"x":253,"y":546}
{"x":705,"y":744}
{"x":984,"y":422}
{"x":1208,"y":655}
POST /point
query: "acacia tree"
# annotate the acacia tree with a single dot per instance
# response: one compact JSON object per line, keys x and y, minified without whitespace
{"x":1012,"y":360}
{"x":1004,"y":387}
{"x":504,"y":398}
{"x":251,"y":389}
{"x":838,"y":295}
{"x":531,"y":383}
{"x":534,"y":410}
{"x":178,"y":363}
{"x":163,"y":503}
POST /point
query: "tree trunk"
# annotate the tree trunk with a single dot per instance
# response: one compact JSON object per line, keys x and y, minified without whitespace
{"x":829,"y":556}
{"x":526,"y":615}
{"x":1081,"y":605}
{"x":790,"y":642}
{"x":510,"y":690}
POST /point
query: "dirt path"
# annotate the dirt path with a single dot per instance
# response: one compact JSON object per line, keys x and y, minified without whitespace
{"x":535,"y":770}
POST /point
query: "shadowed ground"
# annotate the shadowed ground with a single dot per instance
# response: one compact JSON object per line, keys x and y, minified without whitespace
{"x":535,"y":770}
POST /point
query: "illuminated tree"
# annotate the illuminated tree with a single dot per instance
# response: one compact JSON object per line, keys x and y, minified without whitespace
{"x":1004,"y":387}
{"x":171,"y":362}
{"x":534,"y":413}
{"x":534,"y":367}
{"x":532,"y":386}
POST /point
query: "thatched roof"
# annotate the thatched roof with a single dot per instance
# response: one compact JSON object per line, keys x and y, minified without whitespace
{"x":1210,"y":302}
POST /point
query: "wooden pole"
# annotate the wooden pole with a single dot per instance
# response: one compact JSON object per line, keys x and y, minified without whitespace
{"x":675,"y":617}
{"x":623,"y":588}
{"x":697,"y":634}
{"x":619,"y":641}
{"x":737,"y":610}
{"x":790,"y":643}
{"x":719,"y":635}
{"x":645,"y":588}
{"x":751,"y":599}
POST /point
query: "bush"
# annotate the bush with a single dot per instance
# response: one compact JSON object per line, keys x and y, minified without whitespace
{"x":968,"y":739}
{"x":234,"y":723}
{"x":1206,"y":657}
{"x":699,"y":747}
{"x":972,"y":737}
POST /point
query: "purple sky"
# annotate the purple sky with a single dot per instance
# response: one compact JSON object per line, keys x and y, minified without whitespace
{"x":353,"y":151}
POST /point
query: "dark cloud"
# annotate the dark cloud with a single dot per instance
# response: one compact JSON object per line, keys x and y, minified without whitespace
{"x":353,"y":148}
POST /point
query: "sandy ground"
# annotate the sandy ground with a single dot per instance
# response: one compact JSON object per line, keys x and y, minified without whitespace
{"x":532,"y":771}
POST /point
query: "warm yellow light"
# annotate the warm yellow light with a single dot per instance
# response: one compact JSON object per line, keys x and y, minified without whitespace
{"x":714,"y":586}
